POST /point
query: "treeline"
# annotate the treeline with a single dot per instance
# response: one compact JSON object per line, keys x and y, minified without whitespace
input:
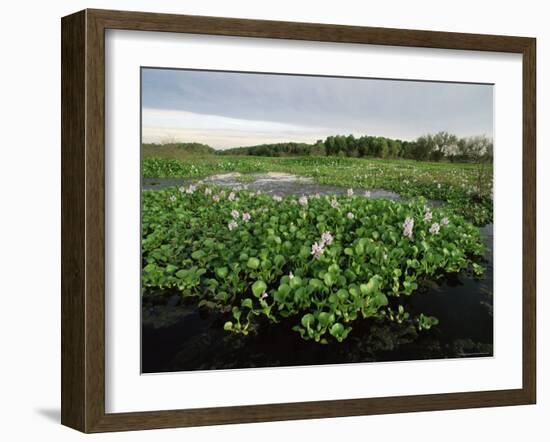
{"x":191,"y":148}
{"x":437,"y":147}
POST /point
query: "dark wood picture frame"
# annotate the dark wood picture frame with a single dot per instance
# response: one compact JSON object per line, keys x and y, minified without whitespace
{"x":83,"y":216}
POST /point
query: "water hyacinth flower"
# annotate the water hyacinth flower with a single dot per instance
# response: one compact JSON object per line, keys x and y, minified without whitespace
{"x":350,"y":192}
{"x":277,"y":198}
{"x":264,"y":295}
{"x":191,"y":189}
{"x":326,"y":238}
{"x":408,"y":227}
{"x":181,"y":189}
{"x":303,"y":200}
{"x":208,"y":191}
{"x":173,"y":198}
{"x":235,"y":214}
{"x":290,"y":275}
{"x":350,"y":215}
{"x":246,"y":217}
{"x":231,"y":196}
{"x":334,"y":203}
{"x":434,"y":229}
{"x":439,"y":185}
{"x":317,"y":196}
{"x":367,"y":194}
{"x":445,"y":221}
{"x":427,"y":215}
{"x":216,"y":198}
{"x":317,"y":249}
{"x":232,"y":225}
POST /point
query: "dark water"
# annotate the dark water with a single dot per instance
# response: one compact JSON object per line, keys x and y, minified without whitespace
{"x":180,"y":337}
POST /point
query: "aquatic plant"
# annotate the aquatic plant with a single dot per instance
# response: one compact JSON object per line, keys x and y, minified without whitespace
{"x":255,"y":258}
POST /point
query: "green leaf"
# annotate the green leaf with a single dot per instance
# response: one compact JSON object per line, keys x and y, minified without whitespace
{"x":308,"y":320}
{"x":258,"y":288}
{"x":222,"y":272}
{"x":253,"y":263}
{"x":247,"y":302}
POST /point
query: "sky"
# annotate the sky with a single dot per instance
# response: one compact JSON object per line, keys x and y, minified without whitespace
{"x":227,"y":109}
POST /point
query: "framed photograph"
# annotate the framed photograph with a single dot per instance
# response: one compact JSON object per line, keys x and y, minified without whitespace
{"x":269,"y":220}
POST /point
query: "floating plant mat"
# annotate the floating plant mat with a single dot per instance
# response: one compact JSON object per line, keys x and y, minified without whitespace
{"x":236,"y":278}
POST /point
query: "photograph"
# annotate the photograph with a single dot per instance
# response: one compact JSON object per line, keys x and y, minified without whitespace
{"x":305,"y":220}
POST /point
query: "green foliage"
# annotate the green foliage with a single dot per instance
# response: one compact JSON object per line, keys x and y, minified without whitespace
{"x":263,"y":268}
{"x":466,"y":188}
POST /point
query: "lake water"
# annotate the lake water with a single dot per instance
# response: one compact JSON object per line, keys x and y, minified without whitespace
{"x":272,"y":183}
{"x":179,"y":336}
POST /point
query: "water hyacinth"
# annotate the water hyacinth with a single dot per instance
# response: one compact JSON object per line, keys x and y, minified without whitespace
{"x":326,"y":238}
{"x":231,"y":196}
{"x":367,"y":194}
{"x":317,"y":249}
{"x":235,"y":214}
{"x":216,"y":198}
{"x":445,"y":221}
{"x":208,"y":191}
{"x":232,"y":225}
{"x":290,"y":275}
{"x":303,"y":200}
{"x":264,"y":296}
{"x":434,"y":229}
{"x":246,"y":217}
{"x":350,"y":215}
{"x":334,"y":203}
{"x":191,"y":189}
{"x":427,"y":215}
{"x":277,"y":198}
{"x":172,"y":198}
{"x":408,"y":227}
{"x":350,"y":192}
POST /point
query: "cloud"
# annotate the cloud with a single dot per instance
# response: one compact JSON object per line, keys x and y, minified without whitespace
{"x":193,"y":103}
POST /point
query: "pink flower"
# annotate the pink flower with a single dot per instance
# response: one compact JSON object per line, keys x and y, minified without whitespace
{"x":277,"y":198}
{"x":232,"y":225}
{"x":208,"y":191}
{"x":427,"y":215}
{"x":235,"y":214}
{"x":408,"y":227}
{"x":367,"y":194}
{"x":350,"y":192}
{"x":434,"y":229}
{"x":216,"y":198}
{"x":445,"y":221}
{"x":231,"y":196}
{"x":334,"y":203}
{"x":303,"y":200}
{"x":326,"y":238}
{"x":264,"y":295}
{"x":246,"y":217}
{"x":172,"y":198}
{"x":317,"y":249}
{"x":350,"y":215}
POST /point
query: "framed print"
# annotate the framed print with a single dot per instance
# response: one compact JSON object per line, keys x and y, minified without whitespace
{"x":270,"y":220}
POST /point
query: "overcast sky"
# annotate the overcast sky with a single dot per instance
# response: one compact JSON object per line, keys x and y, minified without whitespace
{"x":225,"y":110}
